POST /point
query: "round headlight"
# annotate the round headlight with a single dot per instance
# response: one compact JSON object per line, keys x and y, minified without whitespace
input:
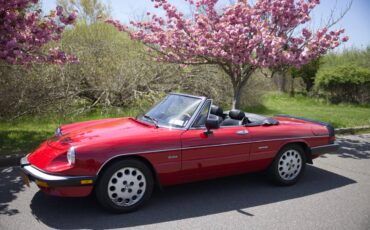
{"x":71,"y":155}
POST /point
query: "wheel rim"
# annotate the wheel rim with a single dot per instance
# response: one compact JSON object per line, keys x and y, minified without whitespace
{"x":127,"y":186}
{"x":290,"y":164}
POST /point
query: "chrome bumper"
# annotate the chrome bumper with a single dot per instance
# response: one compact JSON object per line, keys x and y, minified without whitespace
{"x":320,"y":150}
{"x":50,"y":180}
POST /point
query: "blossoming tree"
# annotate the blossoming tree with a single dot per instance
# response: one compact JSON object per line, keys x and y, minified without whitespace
{"x":23,"y":32}
{"x":240,"y":38}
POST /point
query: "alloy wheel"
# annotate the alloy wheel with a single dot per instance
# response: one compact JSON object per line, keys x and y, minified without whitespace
{"x":127,"y":186}
{"x":290,"y":164}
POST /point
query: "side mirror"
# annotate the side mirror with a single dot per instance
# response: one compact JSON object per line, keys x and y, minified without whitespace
{"x":212,"y":123}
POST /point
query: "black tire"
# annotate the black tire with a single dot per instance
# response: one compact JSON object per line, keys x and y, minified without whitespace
{"x":285,"y":170}
{"x":114,"y":173}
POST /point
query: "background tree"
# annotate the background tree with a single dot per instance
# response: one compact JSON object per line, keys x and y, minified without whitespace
{"x":90,"y":11}
{"x":344,"y":83}
{"x":355,"y":56}
{"x":345,"y":76}
{"x":24,"y":31}
{"x":240,"y":38}
{"x":307,"y":72}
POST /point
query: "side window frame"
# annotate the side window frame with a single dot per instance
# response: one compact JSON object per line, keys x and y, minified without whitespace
{"x":209,"y":102}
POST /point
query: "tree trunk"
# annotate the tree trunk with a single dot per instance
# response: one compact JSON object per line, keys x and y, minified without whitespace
{"x":292,"y":92}
{"x":237,"y":91}
{"x":239,"y":76}
{"x":280,"y":81}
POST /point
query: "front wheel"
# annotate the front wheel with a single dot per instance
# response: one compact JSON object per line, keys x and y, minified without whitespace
{"x":124,"y":186}
{"x":288,"y":166}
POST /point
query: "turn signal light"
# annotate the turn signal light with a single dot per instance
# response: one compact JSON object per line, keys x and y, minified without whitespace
{"x":86,"y":181}
{"x":41,"y":183}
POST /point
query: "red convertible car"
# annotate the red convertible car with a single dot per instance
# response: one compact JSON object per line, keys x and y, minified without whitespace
{"x":181,"y":139}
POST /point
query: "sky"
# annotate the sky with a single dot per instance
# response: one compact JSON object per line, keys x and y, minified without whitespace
{"x":356,"y":22}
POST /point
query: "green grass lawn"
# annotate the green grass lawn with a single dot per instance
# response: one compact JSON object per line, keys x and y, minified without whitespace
{"x":25,"y":134}
{"x":342,"y":115}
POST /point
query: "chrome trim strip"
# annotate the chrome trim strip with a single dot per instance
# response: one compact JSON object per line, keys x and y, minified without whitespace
{"x":289,"y":138}
{"x":41,"y":175}
{"x":248,"y":142}
{"x":203,"y":146}
{"x":55,"y":180}
{"x":210,"y":146}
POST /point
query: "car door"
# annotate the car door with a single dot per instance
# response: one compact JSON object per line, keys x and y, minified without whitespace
{"x":224,"y":152}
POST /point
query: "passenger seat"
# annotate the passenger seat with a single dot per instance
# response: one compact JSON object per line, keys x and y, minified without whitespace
{"x":235,"y":118}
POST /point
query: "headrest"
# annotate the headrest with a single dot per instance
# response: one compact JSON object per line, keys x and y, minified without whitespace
{"x":215,"y":110}
{"x":212,"y":117}
{"x":236,"y":114}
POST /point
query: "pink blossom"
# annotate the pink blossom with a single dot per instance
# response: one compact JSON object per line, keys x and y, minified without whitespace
{"x":254,"y":34}
{"x":23,"y":32}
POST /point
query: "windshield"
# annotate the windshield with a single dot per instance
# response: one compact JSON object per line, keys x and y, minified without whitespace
{"x":174,"y":111}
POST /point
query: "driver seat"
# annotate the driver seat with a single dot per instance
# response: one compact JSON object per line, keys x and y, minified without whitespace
{"x":216,"y":110}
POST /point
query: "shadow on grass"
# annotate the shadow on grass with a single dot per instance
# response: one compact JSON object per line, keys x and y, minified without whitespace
{"x":184,"y":201}
{"x":20,"y":141}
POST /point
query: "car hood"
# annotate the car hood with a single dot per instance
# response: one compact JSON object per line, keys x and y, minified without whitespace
{"x":86,"y":132}
{"x":101,"y":140}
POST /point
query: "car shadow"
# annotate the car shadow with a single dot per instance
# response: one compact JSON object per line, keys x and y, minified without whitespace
{"x":355,"y":147}
{"x":10,"y":185}
{"x":184,"y":201}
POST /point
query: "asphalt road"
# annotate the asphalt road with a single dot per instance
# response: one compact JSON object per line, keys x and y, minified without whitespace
{"x":333,"y":194}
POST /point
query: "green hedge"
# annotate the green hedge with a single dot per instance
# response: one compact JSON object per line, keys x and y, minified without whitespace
{"x":344,"y":83}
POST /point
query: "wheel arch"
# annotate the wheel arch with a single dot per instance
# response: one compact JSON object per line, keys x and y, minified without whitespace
{"x":109,"y":162}
{"x":305,"y":148}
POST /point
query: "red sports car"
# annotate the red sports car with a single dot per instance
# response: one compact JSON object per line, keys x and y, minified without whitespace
{"x":181,"y":139}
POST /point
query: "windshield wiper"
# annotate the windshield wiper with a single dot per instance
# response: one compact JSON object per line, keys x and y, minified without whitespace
{"x":155,"y":121}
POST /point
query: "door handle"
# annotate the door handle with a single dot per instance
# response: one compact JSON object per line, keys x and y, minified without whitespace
{"x":242,"y":132}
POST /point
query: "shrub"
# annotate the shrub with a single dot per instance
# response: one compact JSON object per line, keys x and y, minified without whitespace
{"x":345,"y":83}
{"x":113,"y":71}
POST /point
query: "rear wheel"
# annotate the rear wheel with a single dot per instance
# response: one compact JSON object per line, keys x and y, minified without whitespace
{"x":288,"y":166}
{"x":124,"y":186}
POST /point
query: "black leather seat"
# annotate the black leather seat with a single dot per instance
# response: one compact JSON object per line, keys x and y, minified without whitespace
{"x":235,"y":118}
{"x":215,"y":110}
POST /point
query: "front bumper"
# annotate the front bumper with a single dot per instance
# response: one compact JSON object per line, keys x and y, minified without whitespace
{"x":44,"y":179}
{"x":320,"y":150}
